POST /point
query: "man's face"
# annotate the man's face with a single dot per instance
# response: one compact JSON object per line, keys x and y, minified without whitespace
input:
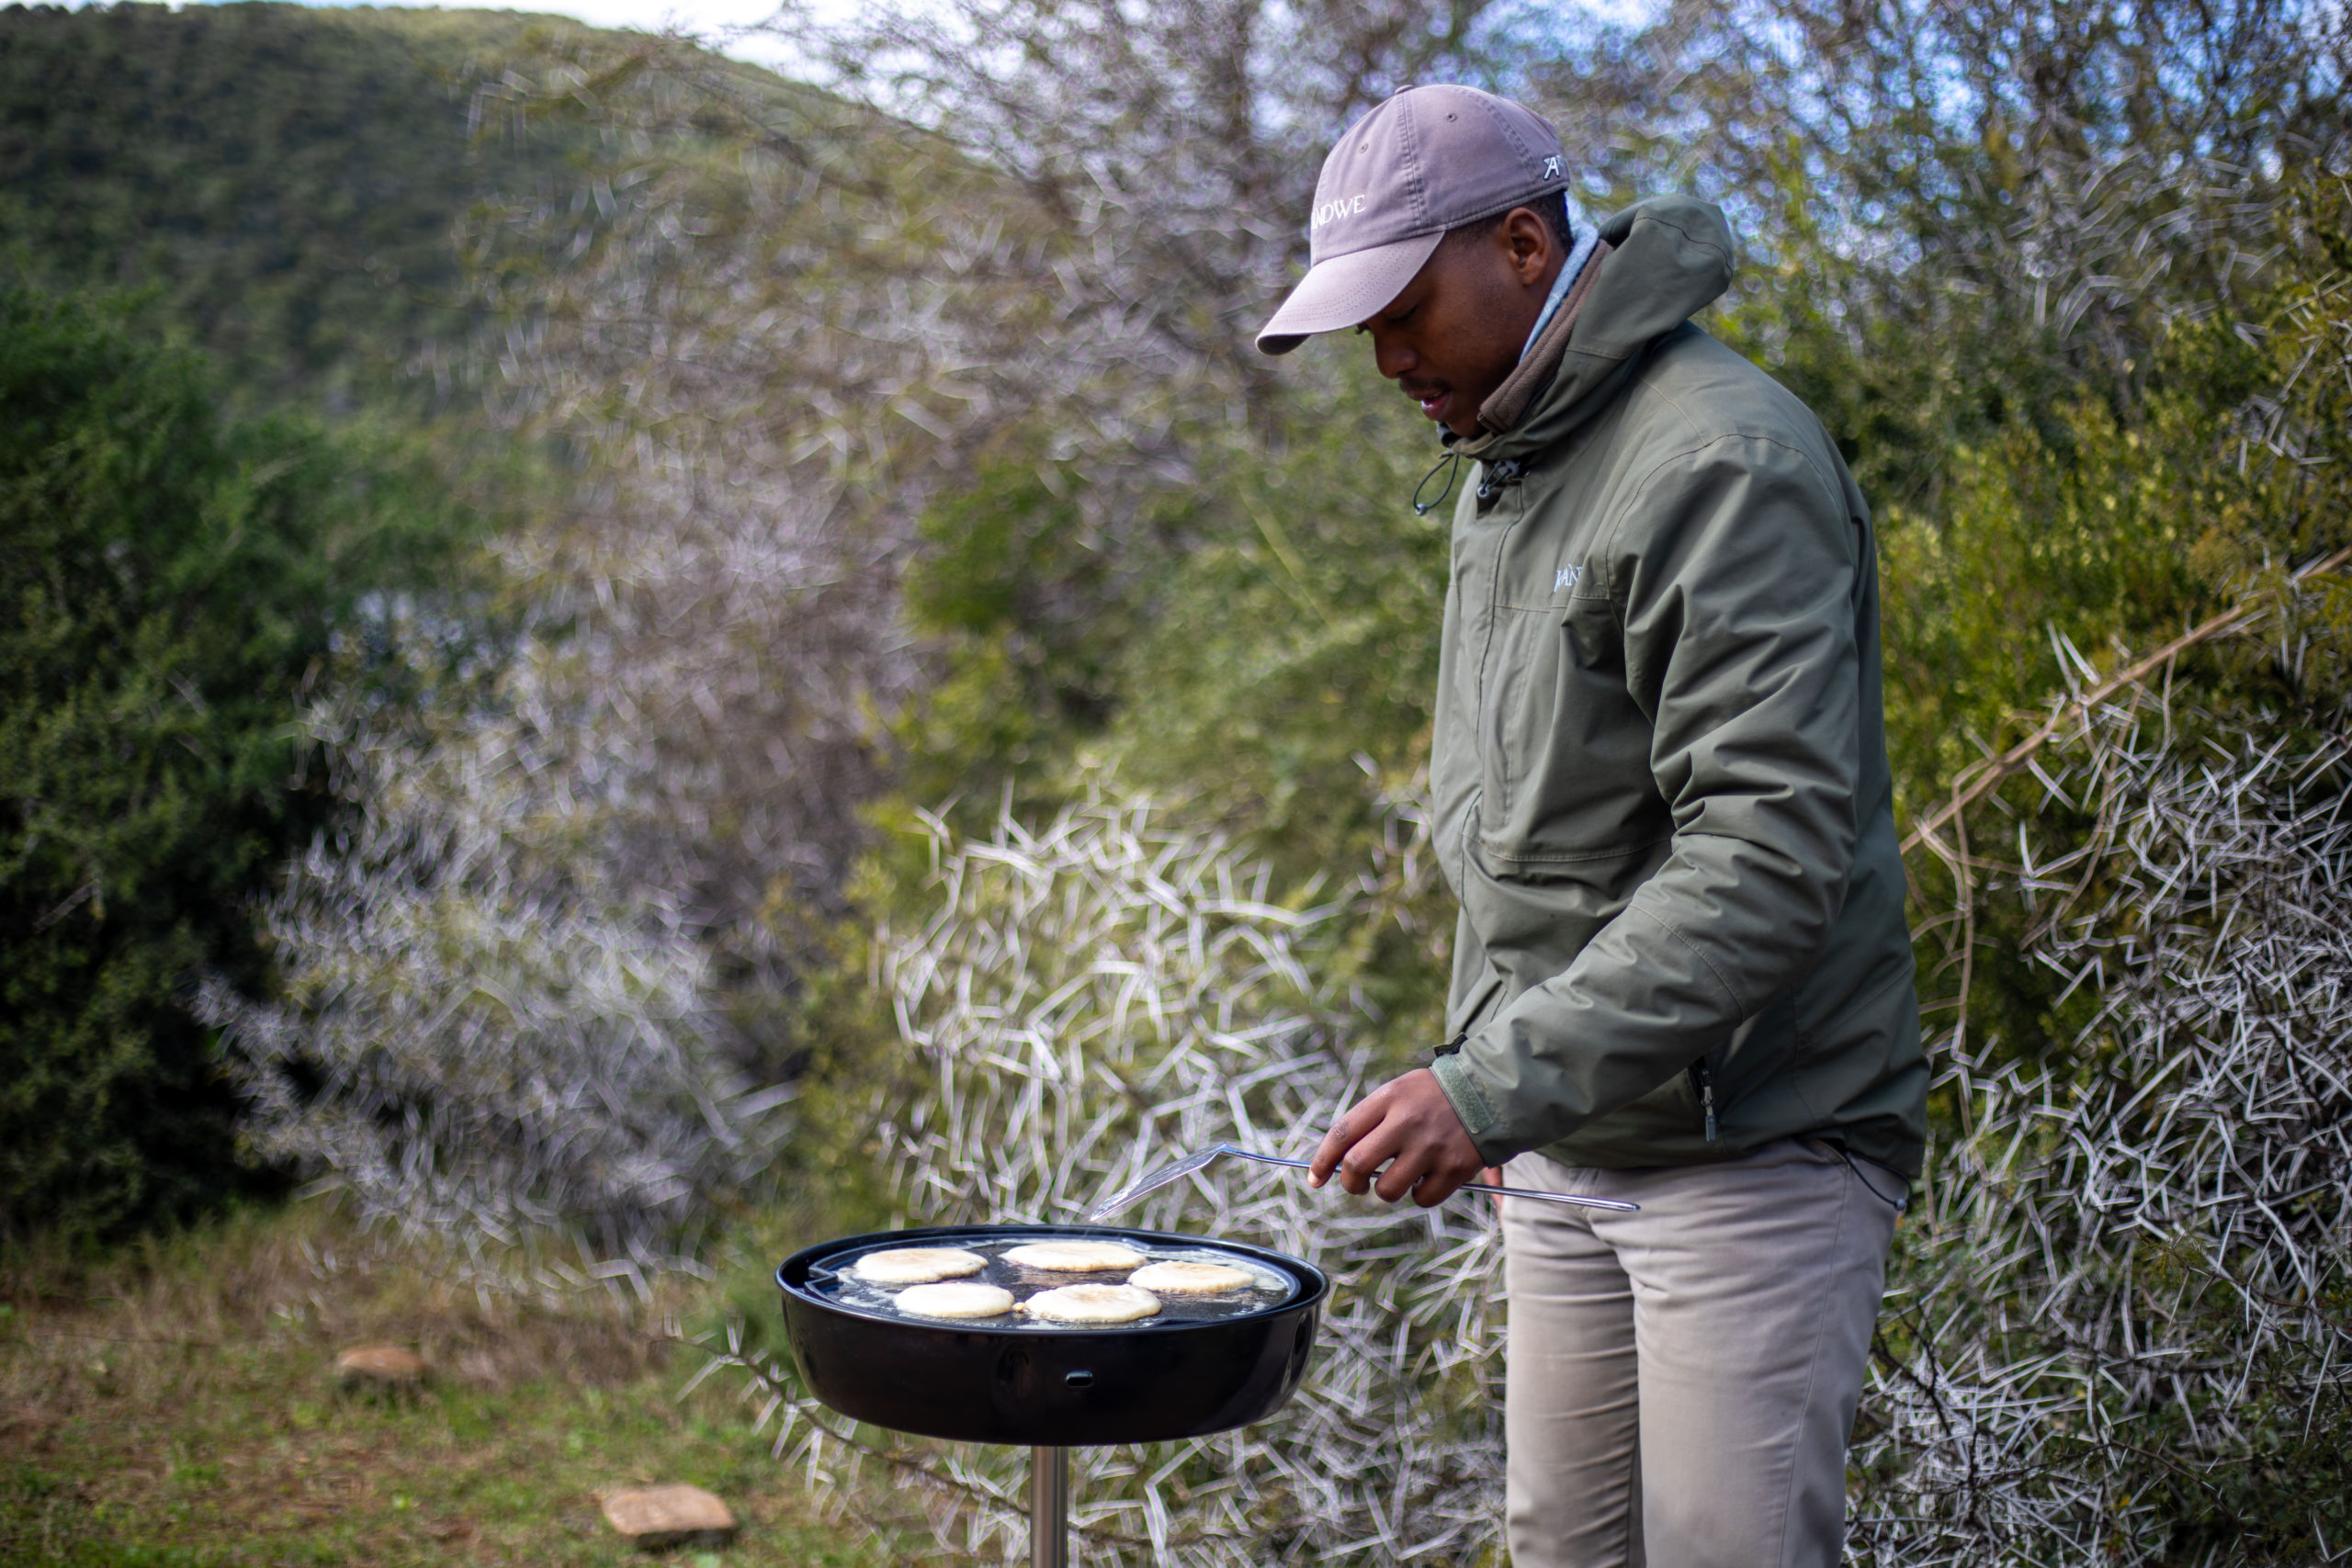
{"x":1454,"y":333}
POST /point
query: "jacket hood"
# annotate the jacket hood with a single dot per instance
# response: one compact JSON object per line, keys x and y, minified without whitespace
{"x":1670,"y":257}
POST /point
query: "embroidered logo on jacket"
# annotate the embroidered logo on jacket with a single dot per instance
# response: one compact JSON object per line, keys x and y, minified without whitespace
{"x":1566,"y":577}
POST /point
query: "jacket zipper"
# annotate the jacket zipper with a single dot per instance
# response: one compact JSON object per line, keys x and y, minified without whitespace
{"x":1702,"y":1079}
{"x":1508,"y":471}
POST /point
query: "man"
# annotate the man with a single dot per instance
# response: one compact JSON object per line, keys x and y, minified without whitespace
{"x":1681,"y":974}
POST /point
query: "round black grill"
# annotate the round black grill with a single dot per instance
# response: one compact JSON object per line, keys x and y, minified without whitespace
{"x":1178,"y":1375}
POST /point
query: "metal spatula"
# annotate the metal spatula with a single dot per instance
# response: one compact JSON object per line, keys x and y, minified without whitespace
{"x":1197,"y":1160}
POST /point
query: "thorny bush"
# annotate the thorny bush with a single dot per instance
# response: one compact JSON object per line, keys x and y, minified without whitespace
{"x":2117,"y":1318}
{"x":1089,"y":999}
{"x":2120,"y":1322}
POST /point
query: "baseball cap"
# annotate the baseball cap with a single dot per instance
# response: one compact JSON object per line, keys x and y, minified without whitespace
{"x":1427,"y":159}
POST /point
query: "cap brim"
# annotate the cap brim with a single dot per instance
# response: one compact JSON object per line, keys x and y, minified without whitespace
{"x":1346,"y":289}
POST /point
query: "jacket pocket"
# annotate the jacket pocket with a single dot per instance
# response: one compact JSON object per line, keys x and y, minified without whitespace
{"x":1520,"y":665}
{"x":1567,"y":750}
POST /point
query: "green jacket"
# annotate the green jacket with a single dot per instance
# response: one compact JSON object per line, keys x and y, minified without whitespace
{"x":1660,"y":757}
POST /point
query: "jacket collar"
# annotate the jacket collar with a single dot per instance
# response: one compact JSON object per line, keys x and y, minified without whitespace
{"x":1662,"y":261}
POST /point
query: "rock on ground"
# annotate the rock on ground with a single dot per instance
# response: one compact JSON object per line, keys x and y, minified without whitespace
{"x":658,"y":1517}
{"x":380,"y":1367}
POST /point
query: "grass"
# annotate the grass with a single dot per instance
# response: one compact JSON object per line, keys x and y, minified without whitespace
{"x":173,"y":1406}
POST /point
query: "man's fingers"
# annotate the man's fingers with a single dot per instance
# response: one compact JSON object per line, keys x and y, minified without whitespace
{"x":1404,"y":1173}
{"x":1434,"y":1186}
{"x":1374,"y":1148}
{"x":1407,"y":1125}
{"x":1327,"y":1154}
{"x":1441,"y":1184}
{"x":1355,"y":1177}
{"x":1335,"y":1144}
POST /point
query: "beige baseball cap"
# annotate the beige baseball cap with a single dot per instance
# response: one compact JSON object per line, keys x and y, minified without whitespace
{"x":1427,"y":160}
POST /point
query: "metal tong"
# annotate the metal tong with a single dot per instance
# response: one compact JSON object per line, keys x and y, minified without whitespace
{"x":1201,"y":1158}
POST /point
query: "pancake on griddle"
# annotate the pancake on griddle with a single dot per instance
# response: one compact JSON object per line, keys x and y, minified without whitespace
{"x":1074,"y":1257}
{"x":1092,"y":1304}
{"x":1191,"y":1278}
{"x":955,"y":1298}
{"x":917,"y":1265}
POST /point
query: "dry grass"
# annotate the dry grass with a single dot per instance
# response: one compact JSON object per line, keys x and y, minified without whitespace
{"x":173,"y":1406}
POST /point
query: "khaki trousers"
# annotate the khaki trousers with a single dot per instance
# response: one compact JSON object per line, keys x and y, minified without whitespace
{"x":1681,"y":1382}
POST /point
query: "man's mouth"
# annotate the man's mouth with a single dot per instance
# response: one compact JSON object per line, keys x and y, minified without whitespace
{"x":1432,"y":399}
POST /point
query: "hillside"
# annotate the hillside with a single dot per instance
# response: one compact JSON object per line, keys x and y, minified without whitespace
{"x":280,"y":188}
{"x":283,"y":180}
{"x":316,"y":200}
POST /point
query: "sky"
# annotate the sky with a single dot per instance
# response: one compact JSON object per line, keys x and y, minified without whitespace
{"x":712,"y":20}
{"x":717,"y":22}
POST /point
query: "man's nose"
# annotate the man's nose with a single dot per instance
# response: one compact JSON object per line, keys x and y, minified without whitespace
{"x":1393,"y":358}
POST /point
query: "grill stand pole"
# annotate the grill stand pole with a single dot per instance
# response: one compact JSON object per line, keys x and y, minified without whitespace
{"x":1048,"y":1507}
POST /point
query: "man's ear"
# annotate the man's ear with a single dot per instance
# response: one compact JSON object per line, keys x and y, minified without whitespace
{"x":1530,"y":242}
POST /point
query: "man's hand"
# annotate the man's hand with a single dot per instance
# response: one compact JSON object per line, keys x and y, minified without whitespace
{"x":1407,"y":1124}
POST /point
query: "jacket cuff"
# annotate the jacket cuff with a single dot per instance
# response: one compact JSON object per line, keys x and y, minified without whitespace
{"x":1469,"y":1102}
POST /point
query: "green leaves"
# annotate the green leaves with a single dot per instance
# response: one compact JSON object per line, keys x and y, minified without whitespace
{"x":170,"y":588}
{"x":2120,"y":517}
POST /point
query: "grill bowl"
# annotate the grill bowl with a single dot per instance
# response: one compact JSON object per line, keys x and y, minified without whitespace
{"x":1140,"y":1382}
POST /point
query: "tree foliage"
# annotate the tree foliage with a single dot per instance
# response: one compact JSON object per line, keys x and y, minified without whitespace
{"x":546,"y":996}
{"x":172,"y":586}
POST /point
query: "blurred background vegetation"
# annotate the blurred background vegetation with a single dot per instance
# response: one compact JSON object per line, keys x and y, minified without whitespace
{"x":463,"y":462}
{"x":177,"y":586}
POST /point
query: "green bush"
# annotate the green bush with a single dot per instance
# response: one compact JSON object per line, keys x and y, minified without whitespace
{"x":170,"y":588}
